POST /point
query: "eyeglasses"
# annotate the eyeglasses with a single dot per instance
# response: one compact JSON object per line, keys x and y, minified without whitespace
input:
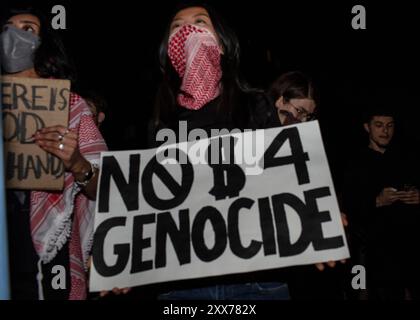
{"x":303,"y":114}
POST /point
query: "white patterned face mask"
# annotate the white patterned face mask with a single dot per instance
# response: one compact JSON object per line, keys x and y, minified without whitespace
{"x":17,"y":48}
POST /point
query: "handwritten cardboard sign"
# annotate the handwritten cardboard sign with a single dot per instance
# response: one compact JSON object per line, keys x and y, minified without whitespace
{"x":27,"y":106}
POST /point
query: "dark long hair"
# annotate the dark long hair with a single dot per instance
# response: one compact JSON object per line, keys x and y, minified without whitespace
{"x":232,"y":86}
{"x":50,"y":59}
{"x":293,"y":85}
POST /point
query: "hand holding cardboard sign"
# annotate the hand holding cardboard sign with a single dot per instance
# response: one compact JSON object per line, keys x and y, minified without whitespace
{"x":63,"y":143}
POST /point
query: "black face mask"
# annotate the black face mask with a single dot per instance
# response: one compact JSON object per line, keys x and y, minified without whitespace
{"x":17,"y":48}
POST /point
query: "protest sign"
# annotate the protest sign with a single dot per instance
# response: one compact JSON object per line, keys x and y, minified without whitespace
{"x":163,"y":222}
{"x":29,"y":105}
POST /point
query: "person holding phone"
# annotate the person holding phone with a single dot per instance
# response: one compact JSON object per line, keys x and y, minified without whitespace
{"x":381,"y":198}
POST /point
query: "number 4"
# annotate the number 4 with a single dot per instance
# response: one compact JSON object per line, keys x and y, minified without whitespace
{"x":298,"y":157}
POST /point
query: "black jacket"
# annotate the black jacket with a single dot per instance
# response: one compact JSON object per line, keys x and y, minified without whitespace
{"x":384,"y":238}
{"x":256,"y":111}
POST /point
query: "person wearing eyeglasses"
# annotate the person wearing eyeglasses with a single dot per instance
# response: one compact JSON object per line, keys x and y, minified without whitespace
{"x":294,"y":96}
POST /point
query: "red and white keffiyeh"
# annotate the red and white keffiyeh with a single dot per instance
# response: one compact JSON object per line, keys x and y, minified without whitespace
{"x":195,"y":54}
{"x":58,"y":217}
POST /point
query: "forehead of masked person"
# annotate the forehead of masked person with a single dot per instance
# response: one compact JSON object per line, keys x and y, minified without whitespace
{"x":203,"y":15}
{"x":50,"y":58}
{"x":25,"y":21}
{"x":197,"y":16}
{"x":26,"y":16}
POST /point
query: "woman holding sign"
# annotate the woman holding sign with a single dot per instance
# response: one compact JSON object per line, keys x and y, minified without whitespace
{"x":199,"y":58}
{"x":51,"y":232}
{"x":201,"y":86}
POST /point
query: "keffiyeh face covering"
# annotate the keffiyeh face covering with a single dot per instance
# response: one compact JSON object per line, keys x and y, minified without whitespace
{"x":195,"y":54}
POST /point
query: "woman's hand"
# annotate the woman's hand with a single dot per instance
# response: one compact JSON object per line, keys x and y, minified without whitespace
{"x":115,"y":291}
{"x":63,"y":143}
{"x":331,"y":264}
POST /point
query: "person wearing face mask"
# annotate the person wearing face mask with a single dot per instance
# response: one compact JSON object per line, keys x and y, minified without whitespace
{"x":18,"y":47}
{"x":48,"y":229}
{"x":199,"y":59}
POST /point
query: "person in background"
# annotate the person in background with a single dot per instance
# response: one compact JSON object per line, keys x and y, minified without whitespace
{"x":295,"y":97}
{"x":381,"y":198}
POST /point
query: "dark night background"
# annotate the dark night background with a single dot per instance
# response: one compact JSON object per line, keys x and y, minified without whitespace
{"x":115,"y":43}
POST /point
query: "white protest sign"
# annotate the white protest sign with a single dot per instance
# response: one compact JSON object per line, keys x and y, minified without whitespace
{"x":158,"y":223}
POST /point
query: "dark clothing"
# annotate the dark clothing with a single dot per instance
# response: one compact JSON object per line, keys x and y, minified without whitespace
{"x":23,"y":257}
{"x":383,"y":239}
{"x":259,"y":112}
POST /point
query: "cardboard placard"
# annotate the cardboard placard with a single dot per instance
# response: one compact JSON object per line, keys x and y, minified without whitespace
{"x":27,"y":106}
